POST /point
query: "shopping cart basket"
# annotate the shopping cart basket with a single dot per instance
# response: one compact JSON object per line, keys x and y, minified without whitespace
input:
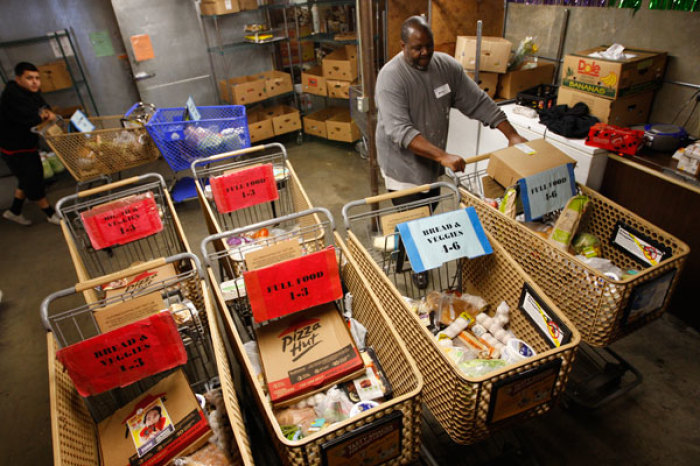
{"x":601,"y":307}
{"x":468,"y":408}
{"x":90,"y":262}
{"x":291,"y":195}
{"x":109,"y":149}
{"x":397,"y":363}
{"x":73,"y":427}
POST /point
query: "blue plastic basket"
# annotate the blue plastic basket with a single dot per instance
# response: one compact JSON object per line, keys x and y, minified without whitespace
{"x":220,"y":129}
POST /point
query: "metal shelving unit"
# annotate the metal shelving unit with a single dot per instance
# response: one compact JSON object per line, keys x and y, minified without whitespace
{"x":79,"y":83}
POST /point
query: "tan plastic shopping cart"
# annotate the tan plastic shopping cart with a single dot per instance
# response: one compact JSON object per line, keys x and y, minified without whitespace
{"x":90,"y":262}
{"x":469,"y":409}
{"x":109,"y":149}
{"x":405,"y":406}
{"x":73,"y":418}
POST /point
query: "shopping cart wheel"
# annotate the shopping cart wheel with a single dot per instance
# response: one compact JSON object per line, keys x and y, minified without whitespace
{"x":598,"y":377}
{"x":361,"y":148}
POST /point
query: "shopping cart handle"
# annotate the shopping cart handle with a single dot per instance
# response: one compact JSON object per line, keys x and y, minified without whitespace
{"x":395,"y":194}
{"x":477,"y":158}
{"x":234,"y":153}
{"x":107,"y":187}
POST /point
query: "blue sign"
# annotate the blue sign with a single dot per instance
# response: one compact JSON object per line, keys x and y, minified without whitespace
{"x":547,"y":191}
{"x":81,"y":122}
{"x":432,"y":241}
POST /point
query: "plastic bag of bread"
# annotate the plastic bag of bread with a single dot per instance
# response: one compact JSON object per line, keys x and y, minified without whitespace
{"x":567,"y":224}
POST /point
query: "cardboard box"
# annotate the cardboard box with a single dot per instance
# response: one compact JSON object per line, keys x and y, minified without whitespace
{"x":511,"y":164}
{"x":259,"y":126}
{"x":315,"y":123}
{"x":512,"y":82}
{"x":624,"y":111}
{"x":54,"y":76}
{"x":495,"y":53}
{"x":612,"y":79}
{"x":313,"y":81}
{"x":488,"y":82}
{"x":219,"y":7}
{"x":285,"y":119}
{"x":341,"y":64}
{"x":248,"y":4}
{"x":306,"y":352}
{"x":164,"y":422}
{"x":242,"y":90}
{"x":308,"y":53}
{"x":339,"y":89}
{"x":341,"y":127}
{"x":276,"y":82}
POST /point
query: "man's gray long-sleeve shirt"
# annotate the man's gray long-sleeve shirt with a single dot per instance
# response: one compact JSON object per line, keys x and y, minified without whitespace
{"x":412,"y":102}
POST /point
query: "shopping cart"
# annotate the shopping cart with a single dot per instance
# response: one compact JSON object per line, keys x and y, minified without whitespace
{"x":73,"y":418}
{"x":397,"y":363}
{"x":292,"y":197}
{"x":468,"y":408}
{"x":111,"y":148}
{"x":597,"y":304}
{"x":182,"y":139}
{"x":90,"y":262}
{"x":604,"y":308}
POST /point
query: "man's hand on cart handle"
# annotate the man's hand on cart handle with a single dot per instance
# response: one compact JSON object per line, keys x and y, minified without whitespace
{"x":424,"y":148}
{"x":47,"y":114}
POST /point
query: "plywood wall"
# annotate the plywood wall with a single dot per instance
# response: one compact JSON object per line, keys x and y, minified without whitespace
{"x":450,"y":18}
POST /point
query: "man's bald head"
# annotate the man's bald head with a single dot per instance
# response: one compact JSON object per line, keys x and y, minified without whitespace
{"x":414,"y":23}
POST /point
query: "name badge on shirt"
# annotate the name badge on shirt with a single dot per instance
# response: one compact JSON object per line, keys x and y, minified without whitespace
{"x":442,"y":91}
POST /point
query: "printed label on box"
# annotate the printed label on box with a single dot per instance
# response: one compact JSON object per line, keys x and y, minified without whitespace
{"x":432,"y":241}
{"x":244,"y":188}
{"x":150,"y":426}
{"x":273,"y":254}
{"x":293,"y":285}
{"x":122,"y":221}
{"x":547,"y":191}
{"x":125,"y":355}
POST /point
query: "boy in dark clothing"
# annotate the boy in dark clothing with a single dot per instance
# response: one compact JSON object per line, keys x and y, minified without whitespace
{"x":21,"y":108}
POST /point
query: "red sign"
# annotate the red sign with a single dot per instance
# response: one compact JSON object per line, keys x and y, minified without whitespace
{"x":244,"y":188}
{"x":122,"y":221}
{"x":589,"y":68}
{"x":125,"y":355}
{"x":293,"y":285}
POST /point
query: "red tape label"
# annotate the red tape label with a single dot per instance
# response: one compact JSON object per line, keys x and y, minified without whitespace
{"x":244,"y":188}
{"x":125,"y":355}
{"x":122,"y":221}
{"x":293,"y":285}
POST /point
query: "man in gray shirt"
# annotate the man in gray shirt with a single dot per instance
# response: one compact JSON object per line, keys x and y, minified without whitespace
{"x":414,"y":94}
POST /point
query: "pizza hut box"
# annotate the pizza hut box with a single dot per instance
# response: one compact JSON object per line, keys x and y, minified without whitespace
{"x":305,"y":352}
{"x":640,"y":71}
{"x":164,"y":422}
{"x":511,"y":164}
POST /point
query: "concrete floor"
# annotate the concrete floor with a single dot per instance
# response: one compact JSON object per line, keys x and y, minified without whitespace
{"x":656,"y":423}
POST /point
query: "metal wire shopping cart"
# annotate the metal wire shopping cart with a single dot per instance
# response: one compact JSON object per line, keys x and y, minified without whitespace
{"x":73,"y":418}
{"x":111,"y":148}
{"x":90,"y":262}
{"x":398,"y":365}
{"x":291,"y":195}
{"x":182,"y":139}
{"x":469,"y":408}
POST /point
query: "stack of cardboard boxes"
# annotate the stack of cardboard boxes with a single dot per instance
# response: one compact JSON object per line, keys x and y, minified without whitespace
{"x":263,"y":123}
{"x":494,"y":78}
{"x":620,"y":92}
{"x":333,"y":79}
